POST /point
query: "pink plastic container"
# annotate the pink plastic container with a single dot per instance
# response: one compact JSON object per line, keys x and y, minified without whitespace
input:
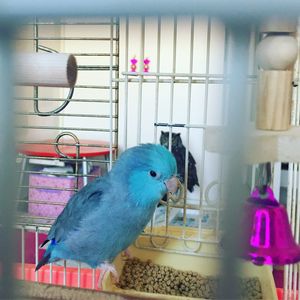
{"x":54,"y":199}
{"x":86,"y":275}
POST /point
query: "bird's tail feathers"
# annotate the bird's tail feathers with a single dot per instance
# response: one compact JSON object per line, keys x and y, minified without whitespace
{"x":47,"y":256}
{"x":43,"y":261}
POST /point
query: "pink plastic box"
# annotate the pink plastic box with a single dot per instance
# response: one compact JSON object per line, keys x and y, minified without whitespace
{"x":54,"y":200}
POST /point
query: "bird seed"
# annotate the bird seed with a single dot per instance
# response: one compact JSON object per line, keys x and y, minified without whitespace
{"x":149,"y":277}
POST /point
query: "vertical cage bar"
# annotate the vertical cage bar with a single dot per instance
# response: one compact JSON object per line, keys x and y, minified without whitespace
{"x":293,"y":221}
{"x":290,"y":273}
{"x":79,"y":275}
{"x":295,"y":94}
{"x":157,"y":77}
{"x":125,"y":110}
{"x":36,"y":274}
{"x":156,"y":94}
{"x":65,"y":273}
{"x":21,"y":177}
{"x":23,"y":252}
{"x":285,"y":282}
{"x":223,"y":122}
{"x":252,"y":71}
{"x":188,"y":117}
{"x":297,"y":187}
{"x":229,"y":287}
{"x":51,"y":273}
{"x":84,"y":171}
{"x":225,"y":84}
{"x":140,"y":92}
{"x":111,"y":92}
{"x":290,"y":284}
{"x":116,"y":84}
{"x":288,"y":269}
{"x":77,"y":166}
{"x":253,"y":175}
{"x":276,"y":179}
{"x":93,"y":278}
{"x":7,"y":161}
{"x":172,"y":103}
{"x":173,"y":81}
{"x":36,"y":46}
{"x":297,"y":235}
{"x":202,"y":162}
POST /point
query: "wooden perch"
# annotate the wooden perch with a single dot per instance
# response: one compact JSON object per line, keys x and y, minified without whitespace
{"x":46,"y":69}
{"x":260,"y":145}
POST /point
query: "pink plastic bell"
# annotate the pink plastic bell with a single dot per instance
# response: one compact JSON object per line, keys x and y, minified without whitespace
{"x":268,"y":235}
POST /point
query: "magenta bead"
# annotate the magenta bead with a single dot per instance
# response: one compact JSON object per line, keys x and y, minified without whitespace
{"x":146,"y":61}
{"x":133,"y":61}
{"x":133,"y":64}
{"x":146,"y":65}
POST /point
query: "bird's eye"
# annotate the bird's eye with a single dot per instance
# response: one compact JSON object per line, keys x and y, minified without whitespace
{"x":153,"y":173}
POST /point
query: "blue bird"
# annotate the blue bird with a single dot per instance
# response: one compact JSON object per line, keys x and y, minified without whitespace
{"x":107,"y":215}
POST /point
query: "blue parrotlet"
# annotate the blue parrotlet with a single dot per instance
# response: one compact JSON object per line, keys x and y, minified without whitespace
{"x":107,"y":215}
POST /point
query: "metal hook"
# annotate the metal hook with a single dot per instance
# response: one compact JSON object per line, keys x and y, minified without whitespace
{"x":66,"y":102}
{"x":75,"y":139}
{"x":264,"y":177}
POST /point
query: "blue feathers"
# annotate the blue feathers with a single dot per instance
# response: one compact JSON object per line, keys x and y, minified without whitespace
{"x":108,"y":214}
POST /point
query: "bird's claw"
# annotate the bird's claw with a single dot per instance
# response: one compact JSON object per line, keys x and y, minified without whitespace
{"x":179,"y":194}
{"x":107,"y":267}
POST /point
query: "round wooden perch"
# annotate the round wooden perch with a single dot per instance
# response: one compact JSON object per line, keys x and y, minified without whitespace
{"x":46,"y":69}
{"x":274,"y":100}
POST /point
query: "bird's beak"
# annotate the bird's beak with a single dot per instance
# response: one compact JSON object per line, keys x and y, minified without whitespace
{"x":172,"y":184}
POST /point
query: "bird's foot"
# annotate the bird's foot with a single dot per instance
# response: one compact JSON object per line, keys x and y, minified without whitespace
{"x":179,"y":194}
{"x":107,"y":267}
{"x":126,"y":254}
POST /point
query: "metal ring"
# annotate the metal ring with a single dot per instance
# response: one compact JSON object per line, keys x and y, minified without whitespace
{"x":207,"y":190}
{"x":66,"y":102}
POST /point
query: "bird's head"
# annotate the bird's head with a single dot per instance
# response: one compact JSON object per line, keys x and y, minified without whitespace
{"x":150,"y":171}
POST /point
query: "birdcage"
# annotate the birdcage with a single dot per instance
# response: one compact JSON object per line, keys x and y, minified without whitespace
{"x":168,"y":79}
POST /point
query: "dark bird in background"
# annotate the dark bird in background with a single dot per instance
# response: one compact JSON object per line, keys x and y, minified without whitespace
{"x":178,"y":150}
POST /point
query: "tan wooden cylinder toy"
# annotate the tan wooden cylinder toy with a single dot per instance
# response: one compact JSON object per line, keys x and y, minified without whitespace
{"x":46,"y":69}
{"x":276,"y":54}
{"x":274,"y":100}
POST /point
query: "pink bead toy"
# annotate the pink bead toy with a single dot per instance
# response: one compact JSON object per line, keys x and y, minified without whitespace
{"x":133,"y":64}
{"x":146,"y":65}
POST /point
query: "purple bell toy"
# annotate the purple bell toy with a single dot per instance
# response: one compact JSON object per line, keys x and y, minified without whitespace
{"x":268,"y":235}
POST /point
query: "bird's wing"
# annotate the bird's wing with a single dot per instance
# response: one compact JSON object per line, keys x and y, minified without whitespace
{"x":79,"y":206}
